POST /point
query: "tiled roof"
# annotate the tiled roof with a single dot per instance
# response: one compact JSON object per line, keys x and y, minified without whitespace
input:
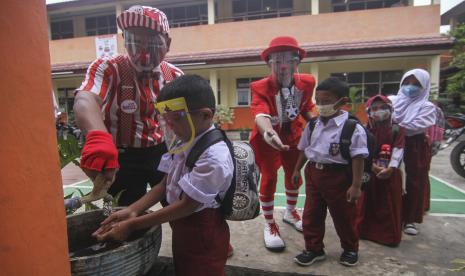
{"x":313,"y":50}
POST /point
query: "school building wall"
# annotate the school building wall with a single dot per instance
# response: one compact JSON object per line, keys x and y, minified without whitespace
{"x":309,"y":29}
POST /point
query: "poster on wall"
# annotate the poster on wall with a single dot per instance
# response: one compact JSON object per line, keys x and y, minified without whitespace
{"x":105,"y":46}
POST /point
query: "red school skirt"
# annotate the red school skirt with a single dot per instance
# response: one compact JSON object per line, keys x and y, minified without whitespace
{"x":200,"y":243}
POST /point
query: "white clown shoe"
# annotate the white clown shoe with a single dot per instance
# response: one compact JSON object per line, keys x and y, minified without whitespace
{"x":272,"y":238}
{"x":294,"y":219}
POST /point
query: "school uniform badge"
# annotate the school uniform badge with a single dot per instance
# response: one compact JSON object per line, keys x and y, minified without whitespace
{"x":334,"y":149}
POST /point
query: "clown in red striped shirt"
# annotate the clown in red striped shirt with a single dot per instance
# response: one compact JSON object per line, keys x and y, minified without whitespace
{"x":115,"y":106}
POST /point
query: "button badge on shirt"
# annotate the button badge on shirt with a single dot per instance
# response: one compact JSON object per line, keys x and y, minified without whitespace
{"x":334,"y":149}
{"x":128,"y":106}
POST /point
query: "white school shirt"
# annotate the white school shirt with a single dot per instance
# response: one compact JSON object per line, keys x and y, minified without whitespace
{"x":212,"y":174}
{"x":317,"y":150}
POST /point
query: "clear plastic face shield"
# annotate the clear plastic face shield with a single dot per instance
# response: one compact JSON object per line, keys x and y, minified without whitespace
{"x":283,"y":67}
{"x":146,"y":48}
{"x":176,"y":123}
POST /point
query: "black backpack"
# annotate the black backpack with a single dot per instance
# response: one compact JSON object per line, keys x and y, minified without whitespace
{"x":346,"y":140}
{"x":240,"y":201}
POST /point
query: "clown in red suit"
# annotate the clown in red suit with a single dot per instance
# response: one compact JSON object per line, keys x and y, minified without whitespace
{"x":281,"y":105}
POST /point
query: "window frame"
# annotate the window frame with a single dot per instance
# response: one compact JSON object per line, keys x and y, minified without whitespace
{"x":110,"y":27}
{"x":245,"y":89}
{"x":61,"y":34}
{"x":202,"y":19}
{"x":262,"y":12}
{"x":364,"y":83}
{"x":346,"y":5}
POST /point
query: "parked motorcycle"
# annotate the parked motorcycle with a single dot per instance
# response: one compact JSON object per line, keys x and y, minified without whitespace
{"x":455,"y":128}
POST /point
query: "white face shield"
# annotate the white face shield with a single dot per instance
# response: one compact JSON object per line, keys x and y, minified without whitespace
{"x":146,"y":49}
{"x":284,"y":66}
{"x":176,"y":123}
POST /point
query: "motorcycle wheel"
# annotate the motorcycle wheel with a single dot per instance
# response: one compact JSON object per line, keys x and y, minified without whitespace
{"x":457,"y":159}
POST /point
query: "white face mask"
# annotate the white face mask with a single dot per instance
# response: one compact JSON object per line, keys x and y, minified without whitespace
{"x":381,"y":115}
{"x":326,"y":110}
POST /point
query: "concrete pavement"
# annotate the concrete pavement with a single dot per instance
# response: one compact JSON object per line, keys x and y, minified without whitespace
{"x":441,"y":240}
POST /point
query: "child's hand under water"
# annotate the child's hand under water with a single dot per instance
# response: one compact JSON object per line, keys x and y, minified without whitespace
{"x":116,"y":226}
{"x":118,"y":231}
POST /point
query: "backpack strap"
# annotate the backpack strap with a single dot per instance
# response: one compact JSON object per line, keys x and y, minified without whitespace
{"x":395,"y":132}
{"x":346,"y":138}
{"x":311,"y":125}
{"x":210,"y":138}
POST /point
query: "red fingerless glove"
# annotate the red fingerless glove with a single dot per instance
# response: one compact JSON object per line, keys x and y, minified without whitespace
{"x":99,"y":152}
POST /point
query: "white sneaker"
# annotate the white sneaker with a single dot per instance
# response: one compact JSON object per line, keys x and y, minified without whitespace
{"x":410,"y":229}
{"x":293,"y":218}
{"x":272,"y":238}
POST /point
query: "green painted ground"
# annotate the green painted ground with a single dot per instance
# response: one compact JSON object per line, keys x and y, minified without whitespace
{"x":444,"y":199}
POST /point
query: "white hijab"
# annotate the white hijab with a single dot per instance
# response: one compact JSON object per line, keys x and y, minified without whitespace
{"x":406,"y":108}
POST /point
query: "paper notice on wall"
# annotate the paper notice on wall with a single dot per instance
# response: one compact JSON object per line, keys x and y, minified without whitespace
{"x":106,"y":46}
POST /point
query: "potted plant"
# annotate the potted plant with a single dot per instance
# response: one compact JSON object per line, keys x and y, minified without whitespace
{"x":223,"y":115}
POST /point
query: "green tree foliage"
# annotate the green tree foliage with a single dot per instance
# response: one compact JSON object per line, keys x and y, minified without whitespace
{"x":456,"y":83}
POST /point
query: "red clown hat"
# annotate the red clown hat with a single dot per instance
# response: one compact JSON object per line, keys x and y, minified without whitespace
{"x":281,"y":44}
{"x":144,"y":16}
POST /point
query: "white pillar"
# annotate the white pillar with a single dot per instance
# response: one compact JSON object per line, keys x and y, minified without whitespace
{"x":118,"y":11}
{"x":435,"y":67}
{"x":211,"y":12}
{"x":214,"y":83}
{"x":315,"y":7}
{"x":452,"y":23}
{"x":314,"y":69}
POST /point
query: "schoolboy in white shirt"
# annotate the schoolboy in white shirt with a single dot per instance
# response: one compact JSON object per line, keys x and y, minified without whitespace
{"x":332,"y":182}
{"x":200,"y":234}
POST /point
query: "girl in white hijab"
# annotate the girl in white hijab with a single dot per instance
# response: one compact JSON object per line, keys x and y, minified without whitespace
{"x":415,"y":114}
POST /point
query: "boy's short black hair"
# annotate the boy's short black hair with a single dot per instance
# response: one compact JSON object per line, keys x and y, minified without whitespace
{"x":335,"y":86}
{"x":195,"y":89}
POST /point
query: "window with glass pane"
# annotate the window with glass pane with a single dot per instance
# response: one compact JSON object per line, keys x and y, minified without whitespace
{"x":187,"y":15}
{"x":62,"y":29}
{"x":364,"y":85}
{"x":258,"y":9}
{"x":101,"y":25}
{"x":390,"y":89}
{"x":394,"y":76}
{"x":243,"y":90}
{"x":352,"y":5}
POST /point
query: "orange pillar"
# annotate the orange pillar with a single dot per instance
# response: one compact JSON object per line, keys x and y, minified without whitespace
{"x":33,"y":238}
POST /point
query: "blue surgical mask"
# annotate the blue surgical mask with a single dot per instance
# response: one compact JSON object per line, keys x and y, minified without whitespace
{"x":410,"y":90}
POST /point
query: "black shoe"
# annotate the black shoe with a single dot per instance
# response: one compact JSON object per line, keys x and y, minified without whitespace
{"x":349,"y":258}
{"x":307,"y":258}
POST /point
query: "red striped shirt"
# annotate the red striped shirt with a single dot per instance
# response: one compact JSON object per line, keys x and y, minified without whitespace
{"x":104,"y":78}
